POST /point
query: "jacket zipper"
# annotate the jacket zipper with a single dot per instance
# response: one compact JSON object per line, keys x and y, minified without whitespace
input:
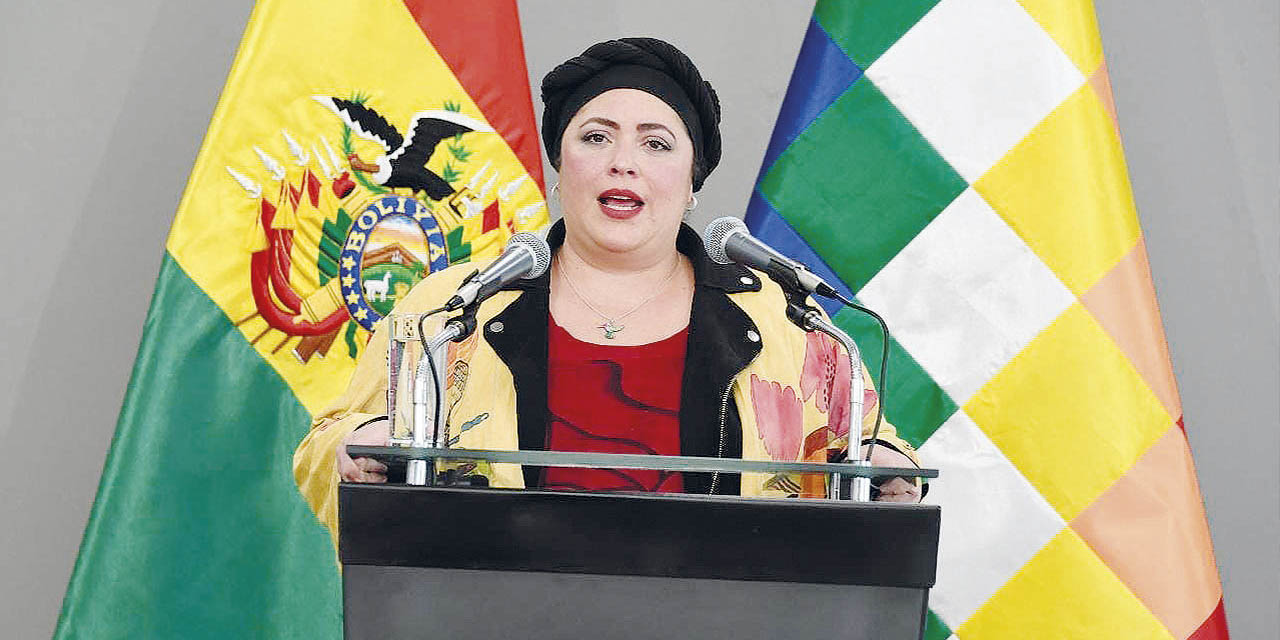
{"x":724,"y":410}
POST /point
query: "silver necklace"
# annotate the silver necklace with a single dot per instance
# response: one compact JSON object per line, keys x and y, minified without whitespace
{"x":612,"y":326}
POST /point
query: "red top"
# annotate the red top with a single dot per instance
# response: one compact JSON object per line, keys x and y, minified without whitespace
{"x":614,"y":399}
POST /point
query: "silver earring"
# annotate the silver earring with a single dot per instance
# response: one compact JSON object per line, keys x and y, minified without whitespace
{"x":554,"y":190}
{"x":693,"y":204}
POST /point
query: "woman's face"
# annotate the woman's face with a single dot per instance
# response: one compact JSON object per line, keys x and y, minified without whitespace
{"x":626,"y":172}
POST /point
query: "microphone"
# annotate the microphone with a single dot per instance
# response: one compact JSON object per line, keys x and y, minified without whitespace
{"x":526,"y":256}
{"x":727,"y":241}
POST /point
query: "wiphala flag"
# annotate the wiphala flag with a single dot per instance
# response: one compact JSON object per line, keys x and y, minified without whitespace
{"x":958,"y":166}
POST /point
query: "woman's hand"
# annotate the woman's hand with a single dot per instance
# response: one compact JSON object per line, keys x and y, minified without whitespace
{"x":365,"y":470}
{"x":897,"y":489}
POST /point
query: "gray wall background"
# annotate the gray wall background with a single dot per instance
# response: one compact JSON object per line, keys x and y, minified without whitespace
{"x":105,"y":105}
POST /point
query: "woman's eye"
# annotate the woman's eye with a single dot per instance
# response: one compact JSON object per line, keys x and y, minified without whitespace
{"x":595,"y":137}
{"x":657,"y":144}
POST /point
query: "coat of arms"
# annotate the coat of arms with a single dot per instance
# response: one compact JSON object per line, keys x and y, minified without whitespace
{"x":380,"y":219}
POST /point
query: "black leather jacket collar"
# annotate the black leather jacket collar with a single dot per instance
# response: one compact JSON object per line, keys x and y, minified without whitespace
{"x":722,"y":341}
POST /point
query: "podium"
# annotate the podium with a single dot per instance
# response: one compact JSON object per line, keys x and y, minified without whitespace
{"x":450,"y":562}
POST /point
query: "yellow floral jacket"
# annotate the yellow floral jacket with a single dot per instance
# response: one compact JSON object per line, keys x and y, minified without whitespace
{"x":755,"y":386}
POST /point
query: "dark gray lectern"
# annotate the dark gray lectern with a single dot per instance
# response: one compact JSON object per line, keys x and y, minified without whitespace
{"x":440,"y":562}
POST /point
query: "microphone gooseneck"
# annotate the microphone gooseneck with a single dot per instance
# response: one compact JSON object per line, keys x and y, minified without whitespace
{"x":728,"y":241}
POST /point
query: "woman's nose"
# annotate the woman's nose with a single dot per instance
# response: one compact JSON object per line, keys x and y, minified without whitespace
{"x":623,"y":163}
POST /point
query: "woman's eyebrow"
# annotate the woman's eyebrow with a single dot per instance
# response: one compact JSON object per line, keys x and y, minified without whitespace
{"x":651,"y":126}
{"x":601,"y":121}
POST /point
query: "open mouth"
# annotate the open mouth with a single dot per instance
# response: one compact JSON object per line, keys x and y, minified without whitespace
{"x":620,"y":200}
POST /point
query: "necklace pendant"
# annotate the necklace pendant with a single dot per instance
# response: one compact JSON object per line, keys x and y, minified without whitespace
{"x":609,"y":329}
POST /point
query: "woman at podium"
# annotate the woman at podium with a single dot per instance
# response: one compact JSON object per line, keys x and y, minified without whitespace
{"x":634,"y":341}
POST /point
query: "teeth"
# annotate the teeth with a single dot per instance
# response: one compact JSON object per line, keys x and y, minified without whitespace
{"x":620,"y":203}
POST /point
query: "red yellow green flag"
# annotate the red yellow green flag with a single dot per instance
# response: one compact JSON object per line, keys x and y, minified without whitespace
{"x":356,"y":147}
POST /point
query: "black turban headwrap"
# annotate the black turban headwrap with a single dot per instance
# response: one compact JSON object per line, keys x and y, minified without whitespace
{"x":647,"y":64}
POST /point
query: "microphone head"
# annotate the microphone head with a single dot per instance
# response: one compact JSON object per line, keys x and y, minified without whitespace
{"x":537,"y":248}
{"x":716,"y":236}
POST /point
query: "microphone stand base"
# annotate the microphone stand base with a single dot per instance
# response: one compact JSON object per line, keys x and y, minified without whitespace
{"x":419,"y":472}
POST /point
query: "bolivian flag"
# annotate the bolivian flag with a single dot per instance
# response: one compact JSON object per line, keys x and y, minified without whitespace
{"x":957,"y":165}
{"x":357,"y":147}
